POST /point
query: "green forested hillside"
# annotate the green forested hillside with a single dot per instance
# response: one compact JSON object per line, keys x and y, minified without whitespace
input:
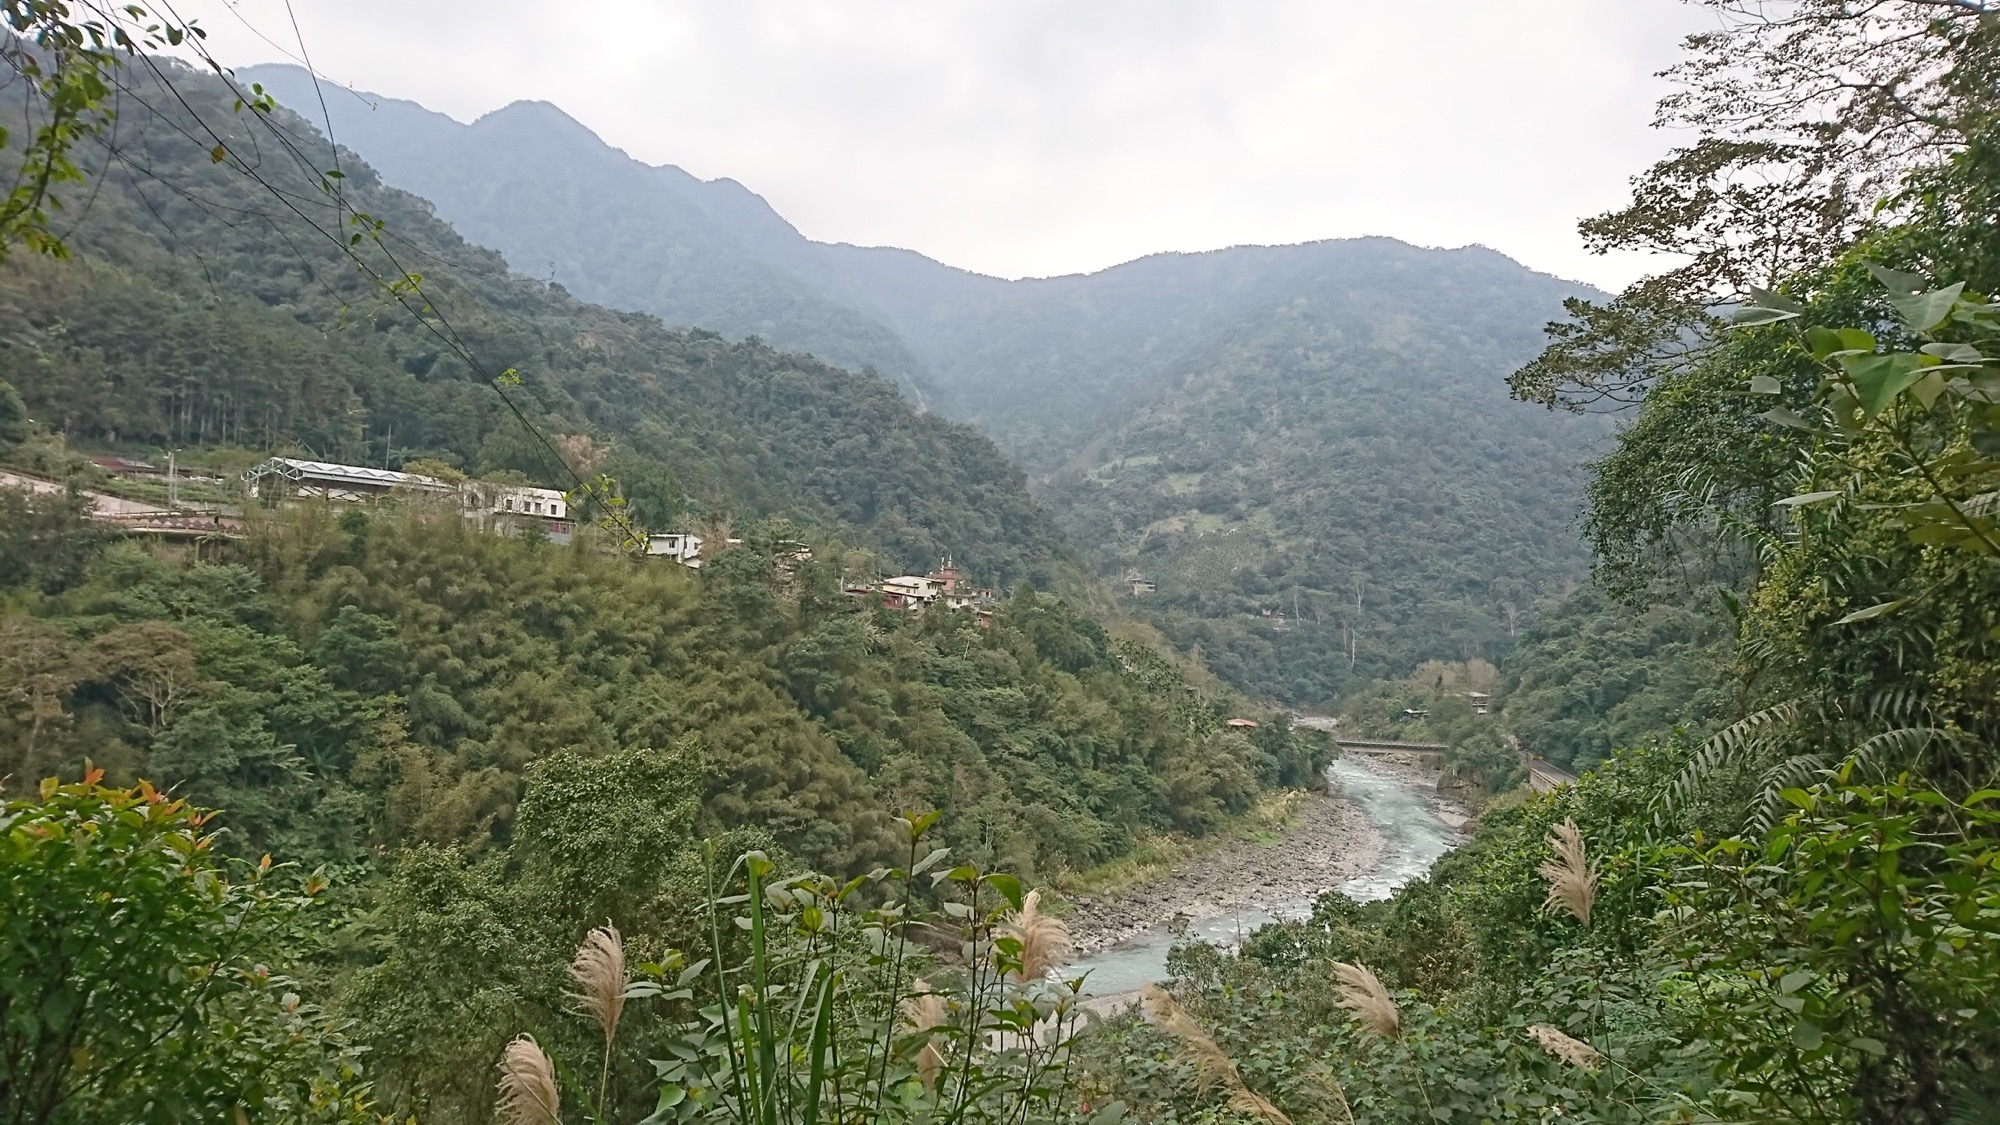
{"x":1352,"y":444}
{"x":532,"y":738}
{"x":1266,"y":427}
{"x":1785,"y":911}
{"x":200,"y":309}
{"x":1596,"y":674}
{"x":342,"y":681}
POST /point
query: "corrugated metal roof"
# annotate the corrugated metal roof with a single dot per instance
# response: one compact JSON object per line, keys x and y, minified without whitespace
{"x":327,"y":472}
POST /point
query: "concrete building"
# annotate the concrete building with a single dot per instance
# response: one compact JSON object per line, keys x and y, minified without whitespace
{"x":506,"y":508}
{"x":681,"y":546}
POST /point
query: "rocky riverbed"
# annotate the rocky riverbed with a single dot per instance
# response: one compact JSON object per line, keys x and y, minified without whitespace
{"x":1332,"y":842}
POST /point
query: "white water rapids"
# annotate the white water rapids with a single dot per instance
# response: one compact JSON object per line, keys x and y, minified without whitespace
{"x":1413,"y":839}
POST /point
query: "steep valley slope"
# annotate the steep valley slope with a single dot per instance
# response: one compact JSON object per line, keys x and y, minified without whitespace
{"x":202,"y":309}
{"x":1300,"y":458}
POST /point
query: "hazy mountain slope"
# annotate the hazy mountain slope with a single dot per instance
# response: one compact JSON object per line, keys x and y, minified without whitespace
{"x":1354,"y":434}
{"x":1250,"y":426}
{"x":200,"y":310}
{"x":562,"y":205}
{"x":1046,"y":365}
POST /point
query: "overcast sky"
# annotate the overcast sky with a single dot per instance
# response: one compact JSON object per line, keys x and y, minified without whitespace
{"x":1038,"y":137}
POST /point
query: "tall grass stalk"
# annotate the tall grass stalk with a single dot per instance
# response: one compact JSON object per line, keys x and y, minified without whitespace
{"x":1571,"y":877}
{"x":1212,"y":1065}
{"x":528,"y":1092}
{"x":598,"y":970}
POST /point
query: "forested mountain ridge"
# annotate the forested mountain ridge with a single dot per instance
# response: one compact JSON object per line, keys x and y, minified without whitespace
{"x":1351,"y":444}
{"x":1260,"y":425}
{"x":201,"y":309}
{"x":562,"y":205}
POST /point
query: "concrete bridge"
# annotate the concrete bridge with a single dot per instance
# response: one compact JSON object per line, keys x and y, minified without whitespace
{"x":1431,"y":752}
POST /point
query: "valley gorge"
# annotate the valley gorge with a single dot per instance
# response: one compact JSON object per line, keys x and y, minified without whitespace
{"x":1232,"y":433}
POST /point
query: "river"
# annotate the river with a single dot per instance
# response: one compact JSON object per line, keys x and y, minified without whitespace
{"x":1412,"y":839}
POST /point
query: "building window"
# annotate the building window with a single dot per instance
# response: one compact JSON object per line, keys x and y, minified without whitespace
{"x":510,"y":503}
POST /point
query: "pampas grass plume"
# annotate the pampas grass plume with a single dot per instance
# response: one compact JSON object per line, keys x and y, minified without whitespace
{"x":527,"y":1085}
{"x":1360,"y":991}
{"x":1571,"y":877}
{"x":1212,"y":1065}
{"x":599,"y":973}
{"x":924,"y":1010}
{"x":1569,"y":1049}
{"x":1044,"y":938}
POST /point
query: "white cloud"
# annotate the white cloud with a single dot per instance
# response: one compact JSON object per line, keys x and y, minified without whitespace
{"x":1033,"y":137}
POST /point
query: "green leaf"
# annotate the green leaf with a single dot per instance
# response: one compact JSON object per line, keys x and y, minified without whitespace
{"x":930,"y":861}
{"x":1896,"y":281}
{"x":1808,"y":1035}
{"x":1926,"y":311}
{"x":1927,"y":388}
{"x":1954,"y":353}
{"x":1765,"y":385}
{"x":1750,"y":316}
{"x":1878,"y":379}
{"x":1805,"y":499}
{"x":1873,"y":612}
{"x":922,"y":823}
{"x":1787,"y":417}
{"x":1775,"y":301}
{"x":1797,"y":979}
{"x":1008,"y":886}
{"x":1829,"y":342}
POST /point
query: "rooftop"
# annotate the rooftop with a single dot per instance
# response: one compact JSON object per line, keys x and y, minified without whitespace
{"x":327,"y":472}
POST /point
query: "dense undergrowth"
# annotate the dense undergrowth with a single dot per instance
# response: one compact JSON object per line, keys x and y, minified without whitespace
{"x":499,"y":742}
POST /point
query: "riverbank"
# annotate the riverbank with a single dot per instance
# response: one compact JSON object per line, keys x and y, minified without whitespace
{"x":1327,"y":841}
{"x":1412,"y":773}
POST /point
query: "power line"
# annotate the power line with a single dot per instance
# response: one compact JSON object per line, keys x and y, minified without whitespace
{"x":406,"y":284}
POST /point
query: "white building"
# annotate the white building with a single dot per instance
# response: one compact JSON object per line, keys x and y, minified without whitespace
{"x":681,"y":546}
{"x":510,"y":507}
{"x":487,"y":499}
{"x":489,"y":503}
{"x":910,"y":591}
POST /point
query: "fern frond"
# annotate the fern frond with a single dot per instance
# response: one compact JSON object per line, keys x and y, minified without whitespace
{"x":1746,"y":740}
{"x":1794,"y":772}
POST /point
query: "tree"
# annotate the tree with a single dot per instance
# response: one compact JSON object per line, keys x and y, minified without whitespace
{"x":136,"y":972}
{"x":1805,"y":117}
{"x":36,"y":673}
{"x":47,"y":539}
{"x":151,"y":665}
{"x":68,"y":67}
{"x":13,"y":418}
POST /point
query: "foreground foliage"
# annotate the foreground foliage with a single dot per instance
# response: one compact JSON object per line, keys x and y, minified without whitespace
{"x":141,"y":971}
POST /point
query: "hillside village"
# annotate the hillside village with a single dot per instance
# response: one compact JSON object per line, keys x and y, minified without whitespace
{"x":501,"y":507}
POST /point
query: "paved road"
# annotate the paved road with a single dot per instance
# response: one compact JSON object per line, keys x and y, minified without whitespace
{"x":108,"y":506}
